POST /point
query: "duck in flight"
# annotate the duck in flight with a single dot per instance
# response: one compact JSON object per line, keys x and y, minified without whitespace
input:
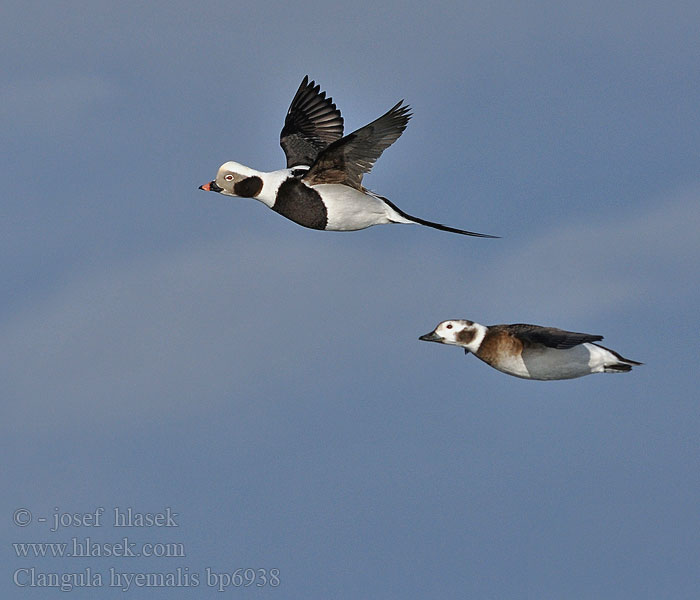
{"x":532,"y":351}
{"x":321,"y":188}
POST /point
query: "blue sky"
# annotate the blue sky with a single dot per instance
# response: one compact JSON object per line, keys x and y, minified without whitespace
{"x":162,"y":347}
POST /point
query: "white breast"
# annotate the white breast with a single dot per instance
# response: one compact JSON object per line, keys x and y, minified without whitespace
{"x":271,"y":183}
{"x":512,"y":365}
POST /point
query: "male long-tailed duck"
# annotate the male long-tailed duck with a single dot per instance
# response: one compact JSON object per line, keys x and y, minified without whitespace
{"x":531,"y":351}
{"x":321,"y":188}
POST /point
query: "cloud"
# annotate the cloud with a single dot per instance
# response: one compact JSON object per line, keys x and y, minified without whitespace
{"x":177,"y":331}
{"x":130,"y":340}
{"x":606,"y":265}
{"x":174,"y":331}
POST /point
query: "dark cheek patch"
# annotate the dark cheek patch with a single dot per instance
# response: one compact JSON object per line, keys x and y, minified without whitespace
{"x":248,"y":187}
{"x":465,"y":336}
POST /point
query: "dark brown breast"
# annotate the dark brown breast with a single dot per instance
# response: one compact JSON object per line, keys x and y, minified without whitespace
{"x":498,"y":343}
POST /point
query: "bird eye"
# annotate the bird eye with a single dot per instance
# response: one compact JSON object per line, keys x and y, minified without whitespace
{"x":448,"y":326}
{"x":228,"y":177}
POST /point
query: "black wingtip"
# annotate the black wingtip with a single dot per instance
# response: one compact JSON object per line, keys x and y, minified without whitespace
{"x":619,"y":356}
{"x":632,"y":362}
{"x":401,"y":111}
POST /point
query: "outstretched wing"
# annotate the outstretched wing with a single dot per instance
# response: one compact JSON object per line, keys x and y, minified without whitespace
{"x":550,"y":336}
{"x":347,"y":159}
{"x":311,"y":124}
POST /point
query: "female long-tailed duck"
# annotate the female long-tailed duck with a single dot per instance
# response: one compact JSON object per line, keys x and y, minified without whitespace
{"x":321,"y":188}
{"x":531,"y":351}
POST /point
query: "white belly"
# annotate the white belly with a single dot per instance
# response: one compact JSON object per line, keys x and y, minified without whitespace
{"x":549,"y":363}
{"x":349,"y":209}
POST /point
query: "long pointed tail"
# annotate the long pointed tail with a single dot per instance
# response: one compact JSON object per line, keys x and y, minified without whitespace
{"x":420,"y":221}
{"x":623,"y":365}
{"x":448,"y":228}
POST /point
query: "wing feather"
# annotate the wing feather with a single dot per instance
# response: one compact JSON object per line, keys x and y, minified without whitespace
{"x":346,"y":160}
{"x":550,"y":336}
{"x":312,"y":123}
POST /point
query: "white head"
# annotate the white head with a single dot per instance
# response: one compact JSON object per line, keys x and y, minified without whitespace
{"x":457,"y":332}
{"x":234,"y":179}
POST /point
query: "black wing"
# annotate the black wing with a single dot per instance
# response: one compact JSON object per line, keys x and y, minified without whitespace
{"x":550,"y":336}
{"x":311,"y":124}
{"x":347,"y":159}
